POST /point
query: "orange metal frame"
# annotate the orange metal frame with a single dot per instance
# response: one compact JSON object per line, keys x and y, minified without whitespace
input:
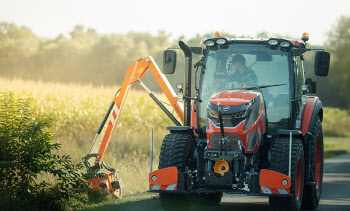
{"x":135,"y":72}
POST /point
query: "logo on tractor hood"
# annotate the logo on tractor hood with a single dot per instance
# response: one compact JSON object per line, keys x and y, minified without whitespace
{"x":226,"y":108}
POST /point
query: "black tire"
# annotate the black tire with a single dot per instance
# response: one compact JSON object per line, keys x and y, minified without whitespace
{"x":176,"y":150}
{"x":312,"y":192}
{"x":280,"y":163}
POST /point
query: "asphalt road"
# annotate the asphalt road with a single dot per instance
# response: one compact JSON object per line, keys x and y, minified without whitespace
{"x":335,"y":194}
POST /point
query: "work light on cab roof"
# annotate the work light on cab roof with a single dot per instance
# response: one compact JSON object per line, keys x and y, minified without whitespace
{"x":209,"y":43}
{"x":285,"y":44}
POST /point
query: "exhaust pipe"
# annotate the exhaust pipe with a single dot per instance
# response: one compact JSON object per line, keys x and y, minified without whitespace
{"x":187,"y":87}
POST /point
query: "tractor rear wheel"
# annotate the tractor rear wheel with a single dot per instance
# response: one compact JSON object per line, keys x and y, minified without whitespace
{"x":280,"y":163}
{"x":177,"y":149}
{"x":312,"y":192}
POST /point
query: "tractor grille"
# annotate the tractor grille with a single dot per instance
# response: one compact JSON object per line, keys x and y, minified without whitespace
{"x":228,"y":120}
{"x":232,"y":137}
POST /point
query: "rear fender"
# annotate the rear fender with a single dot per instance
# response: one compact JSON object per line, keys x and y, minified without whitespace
{"x":312,"y":109}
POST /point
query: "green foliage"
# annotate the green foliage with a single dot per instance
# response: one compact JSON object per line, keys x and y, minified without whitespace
{"x":336,"y":122}
{"x":338,"y":44}
{"x":79,"y":110}
{"x":83,"y":56}
{"x":27,"y":148}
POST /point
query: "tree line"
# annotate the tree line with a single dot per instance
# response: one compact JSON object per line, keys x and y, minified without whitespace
{"x":86,"y":56}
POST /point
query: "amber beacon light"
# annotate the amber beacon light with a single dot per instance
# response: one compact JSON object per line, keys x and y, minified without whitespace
{"x":305,"y":36}
{"x":217,"y":34}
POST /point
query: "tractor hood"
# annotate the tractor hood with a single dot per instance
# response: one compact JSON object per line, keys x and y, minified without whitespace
{"x":234,"y":97}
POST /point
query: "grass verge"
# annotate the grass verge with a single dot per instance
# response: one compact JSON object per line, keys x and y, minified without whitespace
{"x":334,"y":146}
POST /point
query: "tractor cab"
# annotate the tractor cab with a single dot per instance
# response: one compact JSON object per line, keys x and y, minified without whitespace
{"x":247,"y":66}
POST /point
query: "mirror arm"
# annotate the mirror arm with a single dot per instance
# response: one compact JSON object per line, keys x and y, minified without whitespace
{"x":300,"y":51}
{"x":194,"y":98}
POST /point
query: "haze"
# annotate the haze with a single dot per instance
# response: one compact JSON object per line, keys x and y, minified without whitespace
{"x":48,"y":18}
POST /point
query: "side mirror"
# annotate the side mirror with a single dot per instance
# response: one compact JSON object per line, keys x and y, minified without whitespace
{"x":169,"y":61}
{"x":322,"y":59}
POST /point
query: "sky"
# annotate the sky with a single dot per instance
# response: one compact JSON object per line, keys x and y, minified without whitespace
{"x":49,"y":18}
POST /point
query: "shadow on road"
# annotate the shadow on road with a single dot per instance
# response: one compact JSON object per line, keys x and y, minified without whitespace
{"x":141,"y":205}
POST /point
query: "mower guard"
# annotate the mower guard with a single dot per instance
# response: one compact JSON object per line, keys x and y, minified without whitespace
{"x":273,"y":182}
{"x":108,"y":181}
{"x":164,"y":179}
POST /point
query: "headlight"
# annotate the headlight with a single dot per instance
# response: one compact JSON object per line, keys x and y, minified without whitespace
{"x":285,"y":44}
{"x":220,"y":41}
{"x":304,"y":87}
{"x":252,"y":114}
{"x":179,"y":86}
{"x":273,"y":42}
{"x":249,"y":104}
{"x":240,"y":114}
{"x":209,"y":43}
{"x":213,"y":113}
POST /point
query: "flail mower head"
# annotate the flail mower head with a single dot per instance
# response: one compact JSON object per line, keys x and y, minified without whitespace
{"x":109,"y":180}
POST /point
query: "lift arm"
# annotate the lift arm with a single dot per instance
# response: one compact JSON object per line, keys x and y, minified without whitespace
{"x":135,"y":72}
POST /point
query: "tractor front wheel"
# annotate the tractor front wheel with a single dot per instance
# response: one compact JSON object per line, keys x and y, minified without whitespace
{"x":177,"y":150}
{"x":280,"y":163}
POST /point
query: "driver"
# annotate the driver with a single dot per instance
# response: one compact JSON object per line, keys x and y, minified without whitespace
{"x":242,"y":74}
{"x":220,"y":80}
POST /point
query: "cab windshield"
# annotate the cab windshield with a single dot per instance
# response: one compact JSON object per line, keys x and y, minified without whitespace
{"x":248,"y":66}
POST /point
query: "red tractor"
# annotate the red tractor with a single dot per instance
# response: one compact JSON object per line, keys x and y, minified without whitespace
{"x":253,"y":127}
{"x":257,"y":131}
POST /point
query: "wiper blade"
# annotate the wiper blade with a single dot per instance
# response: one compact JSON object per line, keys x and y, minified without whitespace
{"x":260,"y":87}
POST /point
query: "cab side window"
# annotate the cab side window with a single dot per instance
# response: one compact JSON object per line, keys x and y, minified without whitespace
{"x":300,"y":80}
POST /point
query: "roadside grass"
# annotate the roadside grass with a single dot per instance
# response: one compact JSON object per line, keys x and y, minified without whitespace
{"x":79,"y":110}
{"x":336,"y":122}
{"x":334,"y":146}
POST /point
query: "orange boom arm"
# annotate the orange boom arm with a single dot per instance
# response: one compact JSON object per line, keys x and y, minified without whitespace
{"x":135,"y":72}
